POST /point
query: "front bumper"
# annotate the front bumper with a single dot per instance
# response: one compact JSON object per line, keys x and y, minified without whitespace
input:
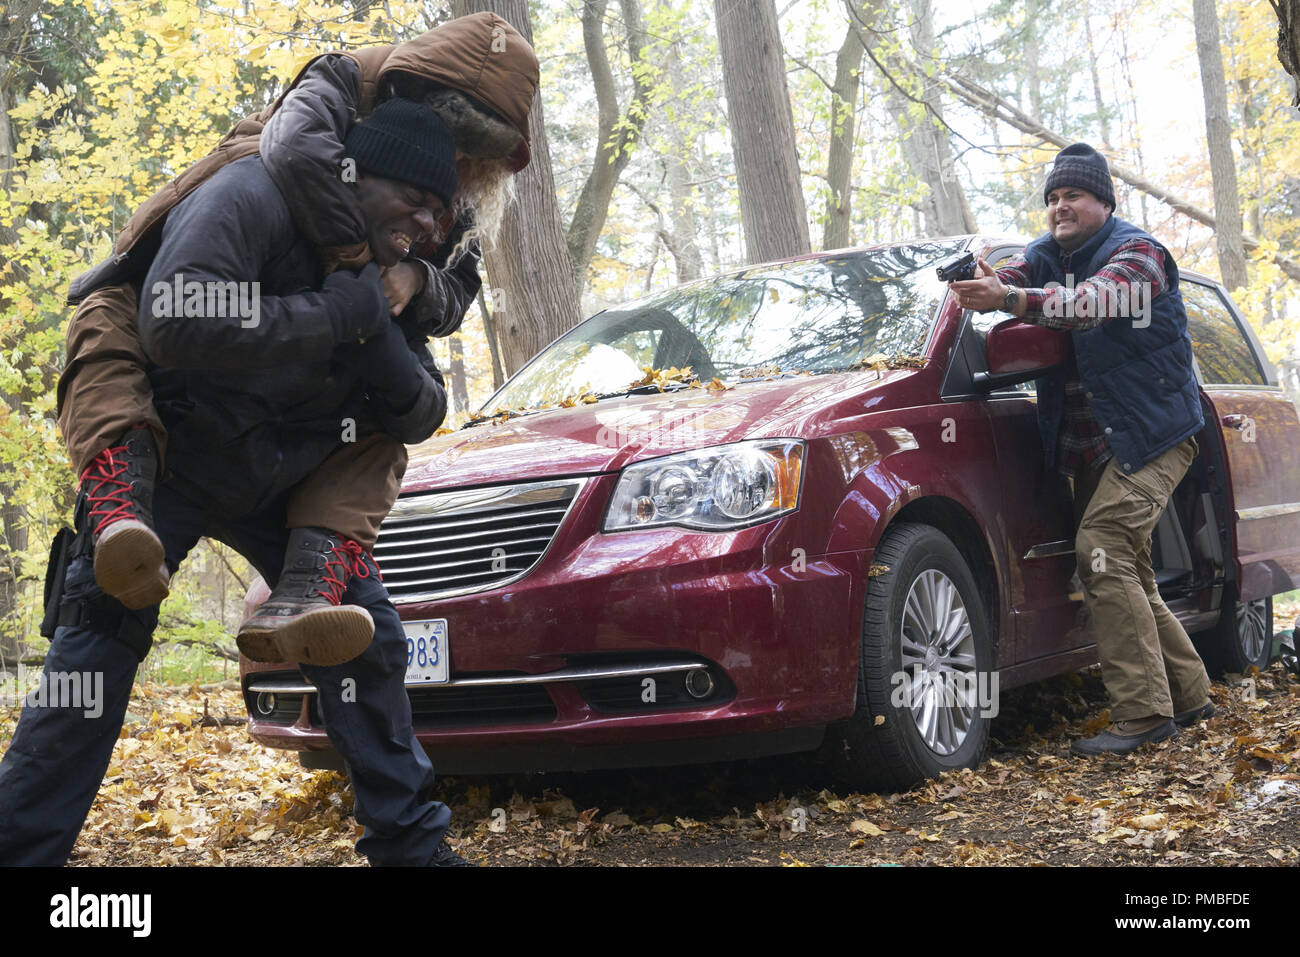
{"x":551,"y":672}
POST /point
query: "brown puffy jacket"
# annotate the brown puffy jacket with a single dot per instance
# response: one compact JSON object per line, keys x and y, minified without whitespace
{"x":481,"y":55}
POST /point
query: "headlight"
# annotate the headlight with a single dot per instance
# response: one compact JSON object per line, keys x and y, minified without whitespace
{"x":726,"y":487}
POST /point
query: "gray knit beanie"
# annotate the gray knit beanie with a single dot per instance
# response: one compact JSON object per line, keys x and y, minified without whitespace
{"x":1081,"y":166}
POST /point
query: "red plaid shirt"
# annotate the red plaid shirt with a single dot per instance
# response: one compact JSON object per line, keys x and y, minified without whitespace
{"x":1082,"y":441}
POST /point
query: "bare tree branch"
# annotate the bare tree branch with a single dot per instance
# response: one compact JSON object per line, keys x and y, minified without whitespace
{"x":230,"y":568}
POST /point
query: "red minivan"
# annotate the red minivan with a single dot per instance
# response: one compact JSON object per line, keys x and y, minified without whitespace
{"x":835,"y":530}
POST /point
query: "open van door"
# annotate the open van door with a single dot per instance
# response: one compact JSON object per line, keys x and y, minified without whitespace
{"x":1260,"y":434}
{"x":1259,"y":431}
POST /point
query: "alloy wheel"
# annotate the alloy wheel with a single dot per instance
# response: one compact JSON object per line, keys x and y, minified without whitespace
{"x":938,"y":657}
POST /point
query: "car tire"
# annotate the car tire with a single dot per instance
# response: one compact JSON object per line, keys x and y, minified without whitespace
{"x":924,"y":619}
{"x":1243,"y":637}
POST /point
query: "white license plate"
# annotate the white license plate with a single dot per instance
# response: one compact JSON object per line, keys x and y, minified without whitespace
{"x":427,"y":653}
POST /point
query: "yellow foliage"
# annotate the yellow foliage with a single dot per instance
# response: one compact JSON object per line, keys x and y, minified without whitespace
{"x":166,"y":80}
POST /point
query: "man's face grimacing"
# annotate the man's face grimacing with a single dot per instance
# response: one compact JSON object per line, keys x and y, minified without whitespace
{"x":398,"y":216}
{"x":1074,"y":216}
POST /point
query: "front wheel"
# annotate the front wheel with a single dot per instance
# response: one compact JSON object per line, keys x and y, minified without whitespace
{"x":927,"y":691}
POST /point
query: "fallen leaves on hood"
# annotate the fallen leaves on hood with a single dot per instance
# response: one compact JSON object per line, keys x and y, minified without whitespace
{"x":662,"y":378}
{"x":880,"y":362}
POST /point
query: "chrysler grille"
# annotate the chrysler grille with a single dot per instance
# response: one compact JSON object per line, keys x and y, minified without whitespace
{"x":439,"y":544}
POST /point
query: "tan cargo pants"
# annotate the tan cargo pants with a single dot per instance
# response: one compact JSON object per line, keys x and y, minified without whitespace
{"x":1148,"y":663}
{"x":104,"y":391}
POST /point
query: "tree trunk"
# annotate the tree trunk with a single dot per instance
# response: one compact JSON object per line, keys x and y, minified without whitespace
{"x":13,"y":540}
{"x":530,"y":271}
{"x":946,"y":206}
{"x":1288,"y":40}
{"x":490,"y":333}
{"x":615,"y":134}
{"x":685,"y":245}
{"x":772,"y":210}
{"x":839,"y":166}
{"x":913,"y":100}
{"x":1102,"y":122}
{"x":1218,"y":137}
{"x":1135,"y":121}
{"x":13,"y":528}
{"x":459,"y":387}
{"x":1031,"y":43}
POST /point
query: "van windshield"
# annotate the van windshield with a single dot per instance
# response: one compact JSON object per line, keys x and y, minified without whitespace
{"x":813,"y":316}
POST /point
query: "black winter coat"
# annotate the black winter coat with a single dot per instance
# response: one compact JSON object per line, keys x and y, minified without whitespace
{"x":252,"y":407}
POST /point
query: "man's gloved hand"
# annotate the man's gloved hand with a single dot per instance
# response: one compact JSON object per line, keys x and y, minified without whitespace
{"x":386,"y":362}
{"x":358,"y":305}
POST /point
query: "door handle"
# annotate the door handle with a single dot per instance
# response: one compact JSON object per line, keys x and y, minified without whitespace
{"x":1235,"y":421}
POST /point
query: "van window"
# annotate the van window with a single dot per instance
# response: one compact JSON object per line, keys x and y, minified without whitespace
{"x":1222,"y":351}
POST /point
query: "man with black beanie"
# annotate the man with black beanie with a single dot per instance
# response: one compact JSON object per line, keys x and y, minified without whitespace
{"x":252,"y":404}
{"x":1119,"y":420}
{"x":405,"y":176}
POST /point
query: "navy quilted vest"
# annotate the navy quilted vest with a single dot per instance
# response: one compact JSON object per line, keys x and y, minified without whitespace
{"x":1139,"y":381}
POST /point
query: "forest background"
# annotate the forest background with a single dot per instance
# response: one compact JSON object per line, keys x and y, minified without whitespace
{"x":663,"y":135}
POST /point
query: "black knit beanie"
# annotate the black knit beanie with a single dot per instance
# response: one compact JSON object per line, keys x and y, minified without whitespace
{"x":1082,"y":166}
{"x":406,"y":141}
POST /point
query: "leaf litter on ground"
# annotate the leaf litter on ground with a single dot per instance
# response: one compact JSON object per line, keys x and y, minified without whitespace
{"x":1222,"y":792}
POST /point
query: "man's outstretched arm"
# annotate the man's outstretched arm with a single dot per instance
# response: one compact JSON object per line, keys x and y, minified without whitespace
{"x":1135,"y":264}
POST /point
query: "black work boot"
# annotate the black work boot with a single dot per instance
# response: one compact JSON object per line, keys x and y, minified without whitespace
{"x":302,"y":619}
{"x":1125,"y":737}
{"x":118,"y":487}
{"x":444,"y":856}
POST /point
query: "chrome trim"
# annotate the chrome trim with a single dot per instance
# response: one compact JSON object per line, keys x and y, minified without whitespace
{"x":708,"y":676}
{"x":1267,"y":511}
{"x":564,"y":674}
{"x":533,"y":553}
{"x":466,"y":502}
{"x":468,"y":536}
{"x":480,"y":499}
{"x":1243,"y":387}
{"x":280,"y":687}
{"x":475,"y":521}
{"x":1050,"y":550}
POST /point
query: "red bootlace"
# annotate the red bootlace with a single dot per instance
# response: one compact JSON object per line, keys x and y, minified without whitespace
{"x":108,"y":490}
{"x":349,"y":559}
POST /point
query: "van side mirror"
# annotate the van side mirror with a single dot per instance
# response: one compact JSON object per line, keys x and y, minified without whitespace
{"x":1017,"y":351}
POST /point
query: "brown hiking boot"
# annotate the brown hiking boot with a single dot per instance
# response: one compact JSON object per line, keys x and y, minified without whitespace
{"x":118,"y":486}
{"x":302,"y":619}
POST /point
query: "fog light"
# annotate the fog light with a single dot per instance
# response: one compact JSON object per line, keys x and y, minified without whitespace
{"x":699,"y":683}
{"x":265,"y":703}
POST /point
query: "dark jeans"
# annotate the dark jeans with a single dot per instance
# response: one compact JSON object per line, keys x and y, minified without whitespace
{"x":58,"y":756}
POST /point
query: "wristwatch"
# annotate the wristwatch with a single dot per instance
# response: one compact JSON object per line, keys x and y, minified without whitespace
{"x":1010,"y":300}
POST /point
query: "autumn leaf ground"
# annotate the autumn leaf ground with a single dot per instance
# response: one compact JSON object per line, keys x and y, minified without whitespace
{"x":182,"y":791}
